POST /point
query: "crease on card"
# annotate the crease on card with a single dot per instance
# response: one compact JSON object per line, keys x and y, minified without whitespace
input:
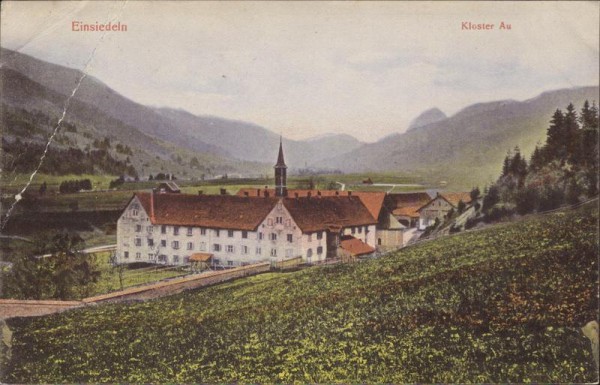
{"x":56,"y":129}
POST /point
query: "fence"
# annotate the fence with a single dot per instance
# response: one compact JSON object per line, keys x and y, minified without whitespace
{"x":27,"y":308}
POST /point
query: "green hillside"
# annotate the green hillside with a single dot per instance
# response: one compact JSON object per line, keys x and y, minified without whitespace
{"x":504,"y":304}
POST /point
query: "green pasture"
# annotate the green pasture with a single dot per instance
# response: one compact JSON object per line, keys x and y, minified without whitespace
{"x":503,"y":304}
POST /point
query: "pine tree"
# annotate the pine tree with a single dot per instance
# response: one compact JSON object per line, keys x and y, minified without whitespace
{"x":554,"y":140}
{"x":571,"y":134}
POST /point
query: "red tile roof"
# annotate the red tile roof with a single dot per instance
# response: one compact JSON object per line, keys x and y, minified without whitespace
{"x":408,"y":211}
{"x":320,"y":213}
{"x":373,"y":200}
{"x":200,"y":257}
{"x":242,"y":213}
{"x":355,"y":246}
{"x":214,"y":211}
{"x":406,"y":204}
{"x":452,"y":198}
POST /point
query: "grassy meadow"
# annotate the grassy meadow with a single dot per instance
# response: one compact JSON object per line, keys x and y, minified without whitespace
{"x":503,"y":304}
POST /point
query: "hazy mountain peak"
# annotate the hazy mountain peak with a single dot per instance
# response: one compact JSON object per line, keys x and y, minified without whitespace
{"x":430,"y":116}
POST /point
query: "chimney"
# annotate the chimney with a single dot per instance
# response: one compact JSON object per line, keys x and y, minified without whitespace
{"x":318,"y":193}
{"x":349,"y":193}
{"x":257,"y":192}
{"x":200,"y":192}
{"x":246,"y":194}
{"x":223,"y":191}
{"x":337,"y":192}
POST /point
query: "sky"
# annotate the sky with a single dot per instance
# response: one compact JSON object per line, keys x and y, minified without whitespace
{"x":304,"y":69}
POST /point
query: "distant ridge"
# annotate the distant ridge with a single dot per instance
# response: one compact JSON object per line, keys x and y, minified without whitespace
{"x":427,"y":117}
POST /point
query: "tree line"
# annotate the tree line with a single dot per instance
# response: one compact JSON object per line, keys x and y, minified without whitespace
{"x":564,"y":170}
{"x":24,"y":157}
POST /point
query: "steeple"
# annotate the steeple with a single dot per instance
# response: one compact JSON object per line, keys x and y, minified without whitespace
{"x":280,"y":173}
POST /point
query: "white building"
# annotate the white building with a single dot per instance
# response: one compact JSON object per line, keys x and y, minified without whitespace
{"x":236,"y":230}
{"x":169,"y":228}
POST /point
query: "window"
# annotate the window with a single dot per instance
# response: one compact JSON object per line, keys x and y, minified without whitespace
{"x":135,"y":213}
{"x":126,"y":254}
{"x":138,"y":228}
{"x":150,"y":229}
{"x":279,"y":220}
{"x":366,"y":229}
{"x":229,"y":263}
{"x":216,"y":261}
{"x":175,"y":230}
{"x":217,"y":233}
{"x":162,"y":258}
{"x":230,"y":233}
{"x":175,"y":245}
{"x":190,"y":231}
{"x":138,"y":241}
{"x":186,"y":260}
{"x":163,"y":229}
{"x":150,"y":242}
{"x":138,"y":256}
{"x":290,"y":238}
{"x":270,"y":221}
{"x":151,"y":257}
{"x":190,"y":246}
{"x":273,"y":236}
{"x":310,"y":237}
{"x":216,"y":247}
{"x":258,"y":251}
{"x":320,"y":250}
{"x":163,"y":243}
{"x":203,"y":231}
{"x":353,"y":230}
{"x":379,"y":241}
{"x":260,"y":236}
{"x":176,"y":259}
{"x":308,"y":253}
{"x":230,"y":248}
{"x":273,"y":252}
{"x":244,"y":234}
{"x":320,"y":235}
{"x":288,"y":222}
{"x":244,"y":249}
{"x":202,"y":246}
{"x":360,"y":230}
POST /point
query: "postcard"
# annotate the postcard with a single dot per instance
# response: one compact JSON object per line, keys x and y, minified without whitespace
{"x":299,"y":192}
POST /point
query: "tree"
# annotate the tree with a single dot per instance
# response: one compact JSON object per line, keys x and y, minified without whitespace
{"x":55,"y":268}
{"x":474,"y":194}
{"x":554,"y":136}
{"x":461,"y":206}
{"x":491,"y":198}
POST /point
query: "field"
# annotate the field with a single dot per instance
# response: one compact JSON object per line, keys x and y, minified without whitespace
{"x":504,"y":304}
{"x":109,"y":279}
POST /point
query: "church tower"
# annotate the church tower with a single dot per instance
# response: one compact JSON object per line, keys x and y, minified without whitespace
{"x":280,"y":174}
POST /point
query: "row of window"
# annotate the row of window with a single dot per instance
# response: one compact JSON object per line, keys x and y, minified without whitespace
{"x":359,"y":229}
{"x":230,"y":233}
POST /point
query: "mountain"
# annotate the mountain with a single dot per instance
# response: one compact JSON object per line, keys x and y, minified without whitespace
{"x":30,"y":111}
{"x":468,"y":147}
{"x":248,"y":141}
{"x":430,"y":116}
{"x":216,"y":136}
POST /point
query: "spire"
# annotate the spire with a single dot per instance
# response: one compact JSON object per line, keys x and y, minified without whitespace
{"x":280,"y":173}
{"x":280,"y":161}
